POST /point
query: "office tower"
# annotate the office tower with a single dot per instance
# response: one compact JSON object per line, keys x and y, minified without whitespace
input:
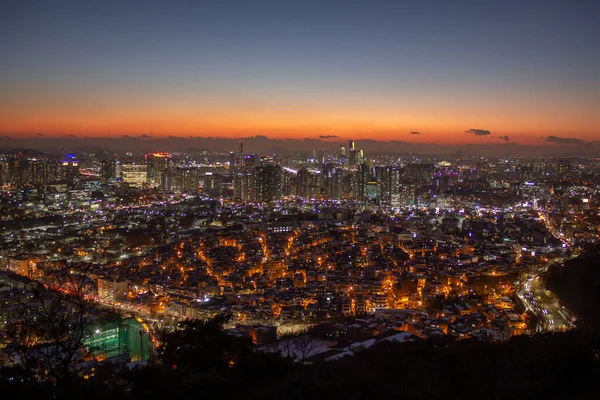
{"x":134,"y":175}
{"x":360,"y":157}
{"x":232,"y":159}
{"x":353,"y":157}
{"x":70,"y":169}
{"x":108,"y":170}
{"x":108,"y":166}
{"x":158,"y":166}
{"x":266,"y":183}
{"x":352,"y":154}
{"x":241,"y":155}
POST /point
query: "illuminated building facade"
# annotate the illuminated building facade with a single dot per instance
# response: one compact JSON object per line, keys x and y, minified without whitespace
{"x":70,"y":168}
{"x":37,"y":172}
{"x":158,"y":169}
{"x":134,"y":175}
{"x":108,"y":170}
{"x":112,"y":289}
{"x":17,"y":168}
{"x":266,"y":183}
{"x":242,"y":185}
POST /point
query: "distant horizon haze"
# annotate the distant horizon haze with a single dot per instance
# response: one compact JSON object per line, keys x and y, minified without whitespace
{"x":559,"y":147}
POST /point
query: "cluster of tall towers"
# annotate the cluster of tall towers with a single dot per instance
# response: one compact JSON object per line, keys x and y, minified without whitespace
{"x":254,"y":179}
{"x":29,"y":168}
{"x":351,"y":156}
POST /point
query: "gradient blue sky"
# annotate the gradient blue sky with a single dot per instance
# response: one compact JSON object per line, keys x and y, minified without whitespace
{"x":377,"y":69}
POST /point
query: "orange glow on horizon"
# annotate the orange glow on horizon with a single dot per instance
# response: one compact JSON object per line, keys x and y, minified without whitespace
{"x":436,"y":125}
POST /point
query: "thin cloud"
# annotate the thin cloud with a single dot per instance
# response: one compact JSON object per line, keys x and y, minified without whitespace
{"x":563,"y":140}
{"x":415,"y":133}
{"x":505,"y":138}
{"x":328,"y":136}
{"x":478,"y":132}
{"x":144,"y":136}
{"x":40,"y":134}
{"x":71,"y":136}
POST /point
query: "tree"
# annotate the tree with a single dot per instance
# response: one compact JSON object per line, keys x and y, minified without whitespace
{"x":202,"y":345}
{"x":49,"y":339}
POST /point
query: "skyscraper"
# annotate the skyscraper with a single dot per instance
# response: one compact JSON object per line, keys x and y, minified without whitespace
{"x":158,"y":168}
{"x":70,"y":168}
{"x":266,"y":183}
{"x":16,"y":169}
{"x":353,"y":159}
{"x":108,"y":170}
{"x":108,"y":166}
{"x":37,"y":171}
{"x":363,"y":177}
{"x":387,"y":179}
{"x":241,"y":185}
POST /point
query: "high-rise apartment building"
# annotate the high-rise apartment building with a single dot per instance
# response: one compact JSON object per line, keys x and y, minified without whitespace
{"x":266,"y":183}
{"x":242,"y":181}
{"x":17,"y":169}
{"x":310,"y":183}
{"x":363,"y":177}
{"x":37,"y":172}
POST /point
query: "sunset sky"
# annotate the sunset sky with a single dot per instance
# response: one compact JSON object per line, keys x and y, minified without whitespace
{"x":515,"y":71}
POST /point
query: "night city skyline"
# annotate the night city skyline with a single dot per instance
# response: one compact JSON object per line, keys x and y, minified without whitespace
{"x":423,"y":73}
{"x":272,"y":199}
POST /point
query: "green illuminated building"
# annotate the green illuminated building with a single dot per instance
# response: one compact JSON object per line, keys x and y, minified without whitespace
{"x":121,"y":337}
